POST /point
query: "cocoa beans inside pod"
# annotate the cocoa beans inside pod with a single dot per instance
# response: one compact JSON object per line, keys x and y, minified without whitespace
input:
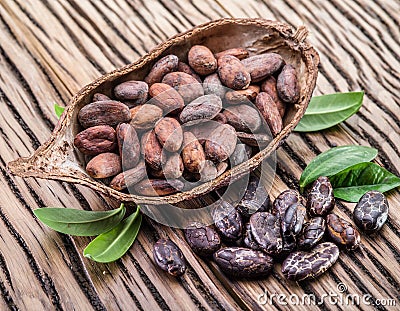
{"x":288,"y":85}
{"x":166,"y":97}
{"x":96,"y":139}
{"x":263,"y":65}
{"x":108,"y":112}
{"x":104,"y":165}
{"x":129,"y":177}
{"x":243,"y":118}
{"x":187,"y":86}
{"x":156,"y":187}
{"x":213,"y":85}
{"x":204,"y":107}
{"x":233,"y":73}
{"x":132,"y":92}
{"x":163,"y":66}
{"x":221,"y":143}
{"x":169,"y":133}
{"x":202,"y":60}
{"x":128,"y":145}
{"x":239,"y":53}
{"x":145,"y":116}
{"x":242,"y":96}
{"x":192,"y":153}
{"x":269,"y":86}
{"x":152,"y":150}
{"x":269,"y":112}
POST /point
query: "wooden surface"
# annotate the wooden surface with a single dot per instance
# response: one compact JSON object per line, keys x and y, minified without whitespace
{"x":49,"y":49}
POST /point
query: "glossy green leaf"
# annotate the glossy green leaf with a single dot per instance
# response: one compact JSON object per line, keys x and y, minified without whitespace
{"x":328,"y":110}
{"x":58,"y":110}
{"x":112,"y":245}
{"x":79,"y":222}
{"x":335,"y":160}
{"x":352,"y":183}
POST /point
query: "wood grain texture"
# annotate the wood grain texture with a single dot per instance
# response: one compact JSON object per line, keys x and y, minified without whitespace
{"x":51,"y":49}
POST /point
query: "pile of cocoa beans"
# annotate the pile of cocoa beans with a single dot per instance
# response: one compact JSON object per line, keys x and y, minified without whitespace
{"x":247,"y":238}
{"x":186,"y":121}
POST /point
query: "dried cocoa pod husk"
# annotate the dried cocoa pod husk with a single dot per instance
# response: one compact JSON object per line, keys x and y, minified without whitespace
{"x":58,"y":159}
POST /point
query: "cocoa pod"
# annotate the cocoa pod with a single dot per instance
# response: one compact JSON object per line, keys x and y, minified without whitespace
{"x":269,"y":86}
{"x":108,"y":112}
{"x":288,"y":85}
{"x":204,"y":107}
{"x":254,"y":139}
{"x":128,"y":145}
{"x":173,"y":167}
{"x":269,"y":112}
{"x":104,"y":165}
{"x":213,"y":85}
{"x":162,"y":67}
{"x":192,"y":153}
{"x":96,"y":139}
{"x":158,"y":187}
{"x":144,"y":117}
{"x":239,"y":53}
{"x":187,"y":86}
{"x":166,"y":97}
{"x":233,"y":73}
{"x":242,"y":96}
{"x":202,"y":60}
{"x":263,"y":65}
{"x":129,"y":177}
{"x":243,"y":118}
{"x":132,"y":92}
{"x":97,"y":97}
{"x":151,"y":150}
{"x":221,"y":143}
{"x":183,"y":67}
{"x":169,"y":133}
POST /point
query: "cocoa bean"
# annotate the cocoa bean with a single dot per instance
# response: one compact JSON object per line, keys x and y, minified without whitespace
{"x":187,"y":86}
{"x":162,"y":67}
{"x":128,"y":145}
{"x":243,"y":118}
{"x":239,"y":53}
{"x":96,"y":139}
{"x":213,"y":85}
{"x":132,"y":92}
{"x":192,"y":153}
{"x":183,"y":67}
{"x":254,"y":140}
{"x":104,"y":165}
{"x":173,"y":167}
{"x":129,"y":177}
{"x":263,"y":65}
{"x":97,"y":97}
{"x":221,"y":143}
{"x":204,"y":107}
{"x":108,"y":112}
{"x":166,"y":97}
{"x":233,"y":73}
{"x":158,"y":187}
{"x":242,"y":96}
{"x":269,"y":112}
{"x":146,"y":116}
{"x":169,"y":133}
{"x":151,"y":150}
{"x":269,"y":86}
{"x":288,"y":85}
{"x":202,"y":60}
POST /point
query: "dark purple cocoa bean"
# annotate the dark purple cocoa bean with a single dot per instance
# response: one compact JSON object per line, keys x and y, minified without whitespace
{"x":320,"y":200}
{"x":203,"y":240}
{"x":169,"y":257}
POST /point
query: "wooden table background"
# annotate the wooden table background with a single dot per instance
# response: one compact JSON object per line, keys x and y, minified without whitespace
{"x":49,"y":49}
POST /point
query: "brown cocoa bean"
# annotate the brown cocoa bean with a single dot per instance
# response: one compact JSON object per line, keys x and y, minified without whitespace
{"x":132,"y":92}
{"x":192,"y":153}
{"x":269,"y":112}
{"x":129,"y":177}
{"x":269,"y":86}
{"x":203,"y":130}
{"x":187,"y":86}
{"x":151,"y":150}
{"x":213,"y":85}
{"x":156,"y":187}
{"x":221,"y":143}
{"x":104,"y":165}
{"x":145,"y":116}
{"x":166,"y":97}
{"x":220,"y":118}
{"x":173,"y":167}
{"x":263,"y":65}
{"x":204,"y":107}
{"x":242,"y":96}
{"x":169,"y":133}
{"x":233,"y":73}
{"x":128,"y":145}
{"x":288,"y":85}
{"x":239,"y":53}
{"x":254,"y":140}
{"x":96,"y":139}
{"x":108,"y":112}
{"x":221,"y":167}
{"x":97,"y":97}
{"x":243,"y":118}
{"x":183,"y":67}
{"x":202,"y":60}
{"x":162,"y":67}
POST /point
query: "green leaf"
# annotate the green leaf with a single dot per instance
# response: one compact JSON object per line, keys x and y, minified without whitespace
{"x":335,"y":160}
{"x":78,"y":222}
{"x":352,"y":183}
{"x":112,"y":245}
{"x":58,"y":110}
{"x":328,"y":110}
